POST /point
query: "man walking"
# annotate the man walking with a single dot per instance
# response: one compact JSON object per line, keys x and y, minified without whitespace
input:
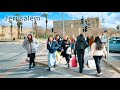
{"x":80,"y":47}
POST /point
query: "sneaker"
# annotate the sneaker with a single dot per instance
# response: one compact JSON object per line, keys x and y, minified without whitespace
{"x":81,"y":74}
{"x":98,"y":74}
{"x":28,"y":69}
{"x":33,"y":67}
{"x":66,"y":64}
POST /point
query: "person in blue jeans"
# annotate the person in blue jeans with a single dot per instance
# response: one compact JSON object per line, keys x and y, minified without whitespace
{"x":52,"y":47}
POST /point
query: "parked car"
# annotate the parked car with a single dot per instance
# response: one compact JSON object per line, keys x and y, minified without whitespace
{"x":115,"y":37}
{"x":114,"y":45}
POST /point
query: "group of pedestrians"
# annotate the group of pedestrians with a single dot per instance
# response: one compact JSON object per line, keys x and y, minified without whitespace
{"x":64,"y":47}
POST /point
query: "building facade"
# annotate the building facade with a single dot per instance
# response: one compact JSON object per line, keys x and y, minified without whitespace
{"x":74,"y":27}
{"x":5,"y":33}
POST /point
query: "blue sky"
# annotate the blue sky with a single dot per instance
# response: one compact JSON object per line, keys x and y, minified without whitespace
{"x":112,"y":19}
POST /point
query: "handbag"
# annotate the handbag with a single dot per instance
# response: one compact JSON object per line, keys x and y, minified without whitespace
{"x":91,"y":63}
{"x":74,"y":61}
{"x":68,"y":51}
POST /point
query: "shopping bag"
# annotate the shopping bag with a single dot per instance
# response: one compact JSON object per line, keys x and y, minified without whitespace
{"x":91,"y":63}
{"x":74,"y":61}
{"x":68,"y":51}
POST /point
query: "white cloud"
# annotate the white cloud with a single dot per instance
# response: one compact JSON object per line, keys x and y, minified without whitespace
{"x":110,"y":21}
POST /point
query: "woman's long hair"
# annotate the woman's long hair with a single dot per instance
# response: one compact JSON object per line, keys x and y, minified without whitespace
{"x":30,"y":40}
{"x":99,"y":44}
{"x":49,"y":39}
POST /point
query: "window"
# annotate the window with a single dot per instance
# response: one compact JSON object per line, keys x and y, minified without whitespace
{"x":96,"y":19}
{"x":88,"y":20}
{"x":88,"y":24}
{"x":118,"y":41}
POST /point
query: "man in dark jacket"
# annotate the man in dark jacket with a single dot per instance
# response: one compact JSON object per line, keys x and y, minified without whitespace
{"x":80,"y":47}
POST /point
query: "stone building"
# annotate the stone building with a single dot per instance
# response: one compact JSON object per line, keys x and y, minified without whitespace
{"x":74,"y":27}
{"x":5,"y":32}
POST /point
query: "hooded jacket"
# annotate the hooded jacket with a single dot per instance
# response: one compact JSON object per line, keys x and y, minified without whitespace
{"x":53,"y":46}
{"x":80,"y":43}
{"x":31,"y":47}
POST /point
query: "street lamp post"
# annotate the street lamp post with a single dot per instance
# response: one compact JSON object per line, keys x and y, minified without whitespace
{"x":32,"y":29}
{"x":46,"y":16}
{"x":11,"y":32}
{"x":11,"y":29}
{"x":63,"y":24}
{"x":83,"y":25}
{"x":21,"y":30}
{"x":46,"y":26}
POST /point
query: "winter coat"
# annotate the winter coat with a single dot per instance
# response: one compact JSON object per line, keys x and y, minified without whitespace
{"x":31,"y":47}
{"x":60,"y":43}
{"x":95,"y":52}
{"x":81,"y":43}
{"x":53,"y":46}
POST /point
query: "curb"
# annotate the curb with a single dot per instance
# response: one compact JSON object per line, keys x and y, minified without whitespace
{"x":115,"y":68}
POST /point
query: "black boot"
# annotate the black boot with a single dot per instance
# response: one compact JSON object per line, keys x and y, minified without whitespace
{"x":29,"y":68}
{"x":48,"y":69}
{"x":54,"y":66}
{"x":80,"y":71}
{"x":68,"y":65}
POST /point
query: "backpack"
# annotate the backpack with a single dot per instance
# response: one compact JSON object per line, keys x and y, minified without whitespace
{"x":81,"y":45}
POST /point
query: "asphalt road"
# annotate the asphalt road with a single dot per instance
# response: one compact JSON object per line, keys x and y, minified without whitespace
{"x":115,"y":55}
{"x":11,"y":54}
{"x":13,"y":65}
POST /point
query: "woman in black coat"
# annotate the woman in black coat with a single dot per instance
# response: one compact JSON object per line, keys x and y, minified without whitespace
{"x":65,"y":45}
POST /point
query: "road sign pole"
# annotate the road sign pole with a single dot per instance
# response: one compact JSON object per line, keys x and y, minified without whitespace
{"x":83,"y":26}
{"x":107,"y":48}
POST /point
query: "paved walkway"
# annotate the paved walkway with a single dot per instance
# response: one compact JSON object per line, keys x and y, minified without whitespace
{"x":108,"y":72}
{"x":114,"y":63}
{"x":61,"y":71}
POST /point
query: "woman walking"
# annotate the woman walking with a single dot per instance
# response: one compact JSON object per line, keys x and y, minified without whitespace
{"x":52,"y":47}
{"x":59,"y":41}
{"x":97,"y":52}
{"x":65,"y":45}
{"x":31,"y":44}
